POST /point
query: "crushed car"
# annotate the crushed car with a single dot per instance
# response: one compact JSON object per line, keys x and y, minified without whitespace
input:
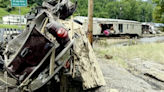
{"x":37,"y":55}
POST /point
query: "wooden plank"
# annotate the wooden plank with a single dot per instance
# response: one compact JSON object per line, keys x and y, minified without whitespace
{"x":87,"y":64}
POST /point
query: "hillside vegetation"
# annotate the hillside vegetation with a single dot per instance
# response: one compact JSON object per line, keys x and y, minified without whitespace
{"x":5,"y":7}
{"x":122,"y":9}
{"x":3,"y":12}
{"x":24,"y":10}
{"x":158,"y":13}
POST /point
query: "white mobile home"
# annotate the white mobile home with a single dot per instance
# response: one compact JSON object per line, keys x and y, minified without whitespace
{"x":119,"y":26}
{"x":14,"y":19}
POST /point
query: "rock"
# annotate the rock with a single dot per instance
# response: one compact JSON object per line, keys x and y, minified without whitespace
{"x":108,"y":56}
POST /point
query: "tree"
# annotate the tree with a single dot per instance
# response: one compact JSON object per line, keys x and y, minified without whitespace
{"x":123,"y":9}
{"x":130,"y":10}
{"x":35,"y":2}
{"x":149,"y":9}
{"x":112,"y":9}
{"x":146,"y":11}
{"x":158,"y":14}
{"x":4,"y":3}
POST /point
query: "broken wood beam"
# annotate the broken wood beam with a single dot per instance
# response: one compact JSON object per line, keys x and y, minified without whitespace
{"x":87,"y":63}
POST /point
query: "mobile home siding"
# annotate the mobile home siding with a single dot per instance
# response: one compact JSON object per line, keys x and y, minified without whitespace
{"x":96,"y":28}
{"x":134,"y":27}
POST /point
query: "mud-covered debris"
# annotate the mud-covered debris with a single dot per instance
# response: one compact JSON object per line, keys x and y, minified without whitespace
{"x":108,"y":56}
{"x":114,"y":90}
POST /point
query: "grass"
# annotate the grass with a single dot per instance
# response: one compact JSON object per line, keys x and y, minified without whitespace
{"x":11,"y":26}
{"x":24,"y":10}
{"x":3,"y":12}
{"x":153,"y":51}
{"x":148,"y":52}
{"x":100,"y":53}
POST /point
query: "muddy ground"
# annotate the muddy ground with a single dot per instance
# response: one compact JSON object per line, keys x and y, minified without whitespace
{"x":138,"y":77}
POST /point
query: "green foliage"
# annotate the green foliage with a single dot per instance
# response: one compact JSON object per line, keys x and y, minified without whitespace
{"x":158,"y":13}
{"x":3,"y":12}
{"x":10,"y":26}
{"x":24,"y":10}
{"x":9,"y":8}
{"x":6,"y":8}
{"x":35,"y":2}
{"x":112,"y":9}
{"x":130,"y":9}
{"x":4,"y":3}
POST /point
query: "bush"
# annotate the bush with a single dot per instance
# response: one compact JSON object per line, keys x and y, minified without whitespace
{"x":3,"y":12}
{"x":8,"y":8}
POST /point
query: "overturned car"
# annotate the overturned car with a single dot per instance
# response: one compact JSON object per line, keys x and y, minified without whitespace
{"x":42,"y":50}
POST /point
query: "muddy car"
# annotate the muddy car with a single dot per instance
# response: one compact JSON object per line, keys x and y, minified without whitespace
{"x":39,"y":53}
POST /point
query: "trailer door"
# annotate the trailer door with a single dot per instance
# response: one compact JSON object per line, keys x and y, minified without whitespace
{"x":120,"y":27}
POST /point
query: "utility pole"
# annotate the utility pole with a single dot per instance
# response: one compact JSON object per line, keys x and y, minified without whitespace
{"x":20,"y":18}
{"x":90,"y":20}
{"x":121,"y":11}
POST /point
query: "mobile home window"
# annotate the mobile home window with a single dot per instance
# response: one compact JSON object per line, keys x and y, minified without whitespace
{"x":127,"y":26}
{"x":120,"y":27}
{"x":22,"y":20}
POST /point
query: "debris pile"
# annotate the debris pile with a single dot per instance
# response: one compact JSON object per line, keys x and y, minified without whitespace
{"x":45,"y":50}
